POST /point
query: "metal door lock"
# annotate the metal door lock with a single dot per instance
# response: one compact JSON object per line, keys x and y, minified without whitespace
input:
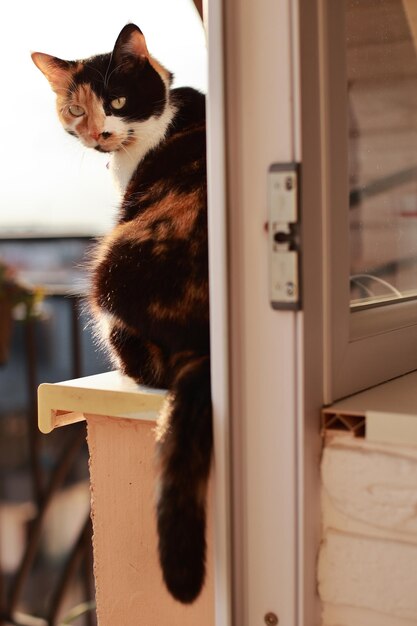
{"x":283,"y":229}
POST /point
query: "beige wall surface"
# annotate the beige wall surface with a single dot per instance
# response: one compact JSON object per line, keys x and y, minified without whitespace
{"x":129,"y":586}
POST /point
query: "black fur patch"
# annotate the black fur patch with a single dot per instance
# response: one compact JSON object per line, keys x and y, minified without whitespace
{"x":140,"y":84}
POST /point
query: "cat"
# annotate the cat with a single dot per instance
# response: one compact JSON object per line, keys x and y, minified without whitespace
{"x":149,"y":277}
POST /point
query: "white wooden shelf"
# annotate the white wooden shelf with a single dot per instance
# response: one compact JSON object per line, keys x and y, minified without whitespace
{"x":110,"y":394}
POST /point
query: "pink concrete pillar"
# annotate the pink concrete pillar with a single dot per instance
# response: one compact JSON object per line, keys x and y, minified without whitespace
{"x":129,"y":586}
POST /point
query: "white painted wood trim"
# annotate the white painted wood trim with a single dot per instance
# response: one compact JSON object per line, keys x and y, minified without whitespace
{"x":310,"y":321}
{"x":110,"y":394}
{"x":264,"y":357}
{"x":219,"y":289}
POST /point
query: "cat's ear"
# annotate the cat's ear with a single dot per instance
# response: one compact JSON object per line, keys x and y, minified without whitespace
{"x":57,"y":71}
{"x":130,"y":44}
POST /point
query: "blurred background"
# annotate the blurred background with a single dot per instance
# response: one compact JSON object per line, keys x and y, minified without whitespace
{"x":55,"y":199}
{"x":381,"y":64}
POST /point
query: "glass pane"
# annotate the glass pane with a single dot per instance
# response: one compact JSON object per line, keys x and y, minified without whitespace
{"x":381,"y":40}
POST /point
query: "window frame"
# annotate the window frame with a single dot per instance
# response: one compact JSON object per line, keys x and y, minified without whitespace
{"x":370,"y":345}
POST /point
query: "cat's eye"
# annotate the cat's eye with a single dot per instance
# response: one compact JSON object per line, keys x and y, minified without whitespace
{"x":118,"y":103}
{"x":75,"y":110}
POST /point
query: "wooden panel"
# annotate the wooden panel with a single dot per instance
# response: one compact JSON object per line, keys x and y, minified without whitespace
{"x":129,"y":586}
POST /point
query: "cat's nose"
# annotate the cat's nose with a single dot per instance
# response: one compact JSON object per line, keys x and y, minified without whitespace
{"x":97,"y":135}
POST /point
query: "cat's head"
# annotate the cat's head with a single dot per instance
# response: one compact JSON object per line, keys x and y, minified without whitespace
{"x":106,"y":99}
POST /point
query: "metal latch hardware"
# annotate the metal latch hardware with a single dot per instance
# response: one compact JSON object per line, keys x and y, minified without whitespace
{"x":283,"y":229}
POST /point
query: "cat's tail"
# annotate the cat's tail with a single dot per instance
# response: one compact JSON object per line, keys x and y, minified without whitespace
{"x":185,"y":450}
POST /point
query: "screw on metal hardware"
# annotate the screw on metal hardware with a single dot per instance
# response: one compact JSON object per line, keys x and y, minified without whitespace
{"x":289,"y":183}
{"x":271,"y":619}
{"x":290,"y":288}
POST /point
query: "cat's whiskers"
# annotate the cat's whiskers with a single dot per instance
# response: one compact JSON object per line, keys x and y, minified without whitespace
{"x":127,"y":152}
{"x":107,"y":71}
{"x":83,"y":153}
{"x":91,"y":67}
{"x":122,"y":64}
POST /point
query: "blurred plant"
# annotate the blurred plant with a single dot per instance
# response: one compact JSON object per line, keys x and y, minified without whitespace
{"x":14,"y":297}
{"x":14,"y":292}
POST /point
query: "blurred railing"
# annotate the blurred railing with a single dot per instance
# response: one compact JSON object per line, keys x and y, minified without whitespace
{"x":40,"y":591}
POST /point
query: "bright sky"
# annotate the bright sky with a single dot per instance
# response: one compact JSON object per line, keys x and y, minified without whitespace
{"x":49,"y":181}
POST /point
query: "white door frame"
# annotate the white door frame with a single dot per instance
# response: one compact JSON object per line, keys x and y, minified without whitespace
{"x":217,"y":224}
{"x":269,"y":551}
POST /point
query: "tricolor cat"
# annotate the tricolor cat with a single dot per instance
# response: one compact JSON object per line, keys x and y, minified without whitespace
{"x":149,"y":277}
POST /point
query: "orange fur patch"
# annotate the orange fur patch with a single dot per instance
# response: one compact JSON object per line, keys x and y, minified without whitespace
{"x":91,"y":123}
{"x":58,"y":77}
{"x":195,"y":298}
{"x":180,"y":209}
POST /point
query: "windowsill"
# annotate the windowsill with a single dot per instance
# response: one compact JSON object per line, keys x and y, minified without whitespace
{"x":386,"y":413}
{"x":110,"y":394}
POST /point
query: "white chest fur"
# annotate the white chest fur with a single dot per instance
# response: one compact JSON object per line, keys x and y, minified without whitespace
{"x":148,"y":135}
